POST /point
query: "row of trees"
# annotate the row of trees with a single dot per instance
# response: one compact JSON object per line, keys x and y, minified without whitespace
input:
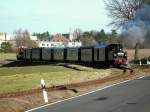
{"x":42,"y":36}
{"x":96,"y":37}
{"x":87,"y":37}
{"x":6,"y":47}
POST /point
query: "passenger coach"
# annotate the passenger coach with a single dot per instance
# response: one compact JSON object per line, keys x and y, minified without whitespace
{"x":111,"y":54}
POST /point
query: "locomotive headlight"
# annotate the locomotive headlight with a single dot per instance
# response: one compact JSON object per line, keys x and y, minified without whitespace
{"x":115,"y":55}
{"x":120,"y":54}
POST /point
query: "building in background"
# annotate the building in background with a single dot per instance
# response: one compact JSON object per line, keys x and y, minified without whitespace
{"x":58,"y":40}
{"x":2,"y":38}
{"x":50,"y":44}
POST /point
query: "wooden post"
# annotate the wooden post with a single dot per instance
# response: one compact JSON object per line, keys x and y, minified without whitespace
{"x":136,"y":56}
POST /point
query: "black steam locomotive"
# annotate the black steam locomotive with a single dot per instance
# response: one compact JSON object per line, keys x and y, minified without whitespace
{"x":99,"y":55}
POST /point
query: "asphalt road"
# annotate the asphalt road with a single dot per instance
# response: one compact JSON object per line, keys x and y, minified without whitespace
{"x":132,"y":96}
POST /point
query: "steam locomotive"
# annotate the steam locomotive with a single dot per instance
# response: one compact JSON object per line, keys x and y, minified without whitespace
{"x":99,"y":55}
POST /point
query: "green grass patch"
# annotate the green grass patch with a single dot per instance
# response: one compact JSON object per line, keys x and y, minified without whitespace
{"x":5,"y":71}
{"x":14,"y":79}
{"x":140,"y":68}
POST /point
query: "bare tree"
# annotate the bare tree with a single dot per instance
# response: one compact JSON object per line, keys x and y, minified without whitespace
{"x":77,"y":33}
{"x":87,"y":41}
{"x":121,"y":11}
{"x":23,"y":39}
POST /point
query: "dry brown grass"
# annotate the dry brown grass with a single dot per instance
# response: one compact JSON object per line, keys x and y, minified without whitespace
{"x":142,"y":53}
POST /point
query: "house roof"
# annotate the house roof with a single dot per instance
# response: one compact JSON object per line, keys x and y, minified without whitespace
{"x":59,"y":38}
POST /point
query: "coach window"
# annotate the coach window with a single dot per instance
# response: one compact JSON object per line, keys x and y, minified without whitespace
{"x":52,"y":45}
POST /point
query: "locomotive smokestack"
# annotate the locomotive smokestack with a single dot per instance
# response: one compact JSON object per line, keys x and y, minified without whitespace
{"x":136,"y":56}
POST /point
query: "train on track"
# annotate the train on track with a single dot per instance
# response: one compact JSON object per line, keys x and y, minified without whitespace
{"x":99,"y":55}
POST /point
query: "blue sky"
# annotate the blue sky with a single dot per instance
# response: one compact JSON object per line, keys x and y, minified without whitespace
{"x":55,"y":16}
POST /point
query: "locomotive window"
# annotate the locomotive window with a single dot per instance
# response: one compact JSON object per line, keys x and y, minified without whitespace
{"x":115,"y":47}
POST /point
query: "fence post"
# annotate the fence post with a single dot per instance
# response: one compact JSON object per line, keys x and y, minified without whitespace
{"x":140,"y":62}
{"x":148,"y":62}
{"x":44,"y":91}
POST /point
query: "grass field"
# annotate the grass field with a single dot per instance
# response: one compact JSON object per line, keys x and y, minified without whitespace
{"x":7,"y":56}
{"x":14,"y":79}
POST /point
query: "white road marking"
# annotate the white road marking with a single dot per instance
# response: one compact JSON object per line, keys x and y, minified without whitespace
{"x":142,"y":77}
{"x":84,"y":94}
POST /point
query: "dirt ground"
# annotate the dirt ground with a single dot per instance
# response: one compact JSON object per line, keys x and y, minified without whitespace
{"x":22,"y":103}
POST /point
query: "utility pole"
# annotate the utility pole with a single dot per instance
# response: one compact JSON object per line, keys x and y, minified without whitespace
{"x":5,"y":42}
{"x":5,"y":36}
